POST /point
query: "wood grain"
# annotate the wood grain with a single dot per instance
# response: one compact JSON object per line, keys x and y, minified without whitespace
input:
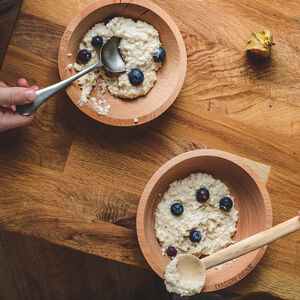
{"x":9,"y":11}
{"x":49,"y":151}
{"x":96,"y":172}
{"x":45,"y":32}
{"x":35,"y":269}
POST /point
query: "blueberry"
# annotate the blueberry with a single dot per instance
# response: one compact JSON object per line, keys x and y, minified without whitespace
{"x":84,"y":55}
{"x":107,"y":20}
{"x":171,"y":251}
{"x":159,"y":54}
{"x":226,"y":203}
{"x":202,"y":195}
{"x":195,"y":236}
{"x":176,"y":209}
{"x":136,"y":76}
{"x":97,"y":41}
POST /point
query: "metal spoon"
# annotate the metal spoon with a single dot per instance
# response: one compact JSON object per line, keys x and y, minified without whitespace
{"x":191,"y":268}
{"x":110,"y":59}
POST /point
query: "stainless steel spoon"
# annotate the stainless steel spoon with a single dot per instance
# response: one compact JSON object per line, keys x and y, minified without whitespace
{"x":110,"y":59}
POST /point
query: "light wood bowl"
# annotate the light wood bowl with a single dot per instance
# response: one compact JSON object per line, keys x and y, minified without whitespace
{"x":170,"y":77}
{"x":251,"y":200}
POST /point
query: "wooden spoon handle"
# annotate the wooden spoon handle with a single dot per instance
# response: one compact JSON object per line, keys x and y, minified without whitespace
{"x":254,"y":242}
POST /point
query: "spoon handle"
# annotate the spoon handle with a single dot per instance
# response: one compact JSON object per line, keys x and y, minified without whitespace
{"x":252,"y":243}
{"x":44,"y":94}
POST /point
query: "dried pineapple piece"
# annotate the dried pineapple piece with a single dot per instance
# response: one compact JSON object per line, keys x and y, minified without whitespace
{"x":260,"y":43}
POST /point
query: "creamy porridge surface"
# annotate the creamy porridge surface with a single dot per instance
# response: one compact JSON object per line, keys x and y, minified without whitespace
{"x":139,"y":41}
{"x":215,"y":225}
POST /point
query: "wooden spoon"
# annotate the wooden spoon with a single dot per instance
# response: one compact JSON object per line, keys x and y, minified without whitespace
{"x":189,"y":264}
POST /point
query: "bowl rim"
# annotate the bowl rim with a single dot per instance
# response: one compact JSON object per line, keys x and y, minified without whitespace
{"x":173,"y":162}
{"x":147,"y":116}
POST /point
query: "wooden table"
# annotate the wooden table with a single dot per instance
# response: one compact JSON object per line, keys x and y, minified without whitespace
{"x":77,"y":183}
{"x":9,"y":11}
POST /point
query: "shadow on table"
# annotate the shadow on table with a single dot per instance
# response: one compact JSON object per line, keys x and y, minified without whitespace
{"x":228,"y":296}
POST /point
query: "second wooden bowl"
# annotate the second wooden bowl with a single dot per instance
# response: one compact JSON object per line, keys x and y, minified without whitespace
{"x":170,"y":77}
{"x":251,"y":200}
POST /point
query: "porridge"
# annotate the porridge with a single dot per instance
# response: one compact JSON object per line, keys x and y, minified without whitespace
{"x":196,"y":215}
{"x":141,"y":51}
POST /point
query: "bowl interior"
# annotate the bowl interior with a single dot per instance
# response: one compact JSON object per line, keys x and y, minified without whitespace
{"x":169,"y":78}
{"x":249,"y":202}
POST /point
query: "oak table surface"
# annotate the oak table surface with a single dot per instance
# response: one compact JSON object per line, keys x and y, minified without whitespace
{"x":75,"y":182}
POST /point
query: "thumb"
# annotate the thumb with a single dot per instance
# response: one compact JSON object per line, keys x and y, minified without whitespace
{"x":10,"y":119}
{"x":16,"y":95}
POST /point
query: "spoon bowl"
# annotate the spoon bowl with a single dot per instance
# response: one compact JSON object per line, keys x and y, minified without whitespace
{"x":191,"y":268}
{"x":111,"y":57}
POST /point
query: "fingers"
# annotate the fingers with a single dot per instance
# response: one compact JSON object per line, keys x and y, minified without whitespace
{"x":2,"y":84}
{"x":10,"y":119}
{"x":35,"y":88}
{"x":22,"y":82}
{"x":9,"y":98}
{"x":12,"y":96}
{"x":16,"y":95}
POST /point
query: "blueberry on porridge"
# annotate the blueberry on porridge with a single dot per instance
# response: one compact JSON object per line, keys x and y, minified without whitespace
{"x":107,"y":20}
{"x":136,"y":76}
{"x":97,"y":41}
{"x":171,"y":251}
{"x":195,"y":236}
{"x":202,"y":195}
{"x":159,"y":54}
{"x":84,"y":56}
{"x":176,"y":209}
{"x":226,"y":203}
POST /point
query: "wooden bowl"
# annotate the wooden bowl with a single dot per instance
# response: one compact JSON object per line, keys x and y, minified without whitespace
{"x":251,"y":200}
{"x":170,"y":77}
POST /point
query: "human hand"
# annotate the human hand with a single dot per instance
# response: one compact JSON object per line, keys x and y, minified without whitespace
{"x":9,"y":98}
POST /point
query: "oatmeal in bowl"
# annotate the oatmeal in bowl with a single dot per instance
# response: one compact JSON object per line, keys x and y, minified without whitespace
{"x":195,"y":216}
{"x":196,"y":204}
{"x":152,"y":48}
{"x":140,"y":48}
